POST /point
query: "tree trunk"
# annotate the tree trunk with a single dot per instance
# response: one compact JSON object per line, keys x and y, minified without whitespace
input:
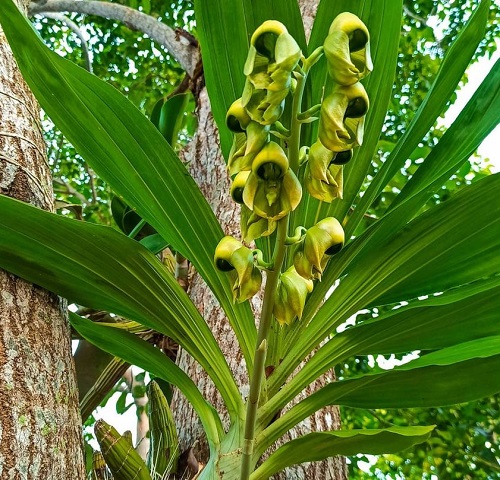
{"x":40,"y":425}
{"x":208,"y":168}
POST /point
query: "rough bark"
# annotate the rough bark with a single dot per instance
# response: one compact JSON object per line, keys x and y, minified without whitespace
{"x":40,"y":426}
{"x":208,"y":168}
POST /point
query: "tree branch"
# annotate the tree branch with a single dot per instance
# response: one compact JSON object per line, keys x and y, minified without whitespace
{"x":76,"y":30}
{"x":180,"y":47}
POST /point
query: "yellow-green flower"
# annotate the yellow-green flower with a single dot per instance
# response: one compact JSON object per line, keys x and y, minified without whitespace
{"x":347,"y":49}
{"x":272,"y":190}
{"x":237,"y":118}
{"x":324,"y":239}
{"x":233,"y":257}
{"x":329,"y":189}
{"x":291,"y":296}
{"x":342,"y":117}
{"x":253,"y":226}
{"x":242,"y":154}
{"x":272,"y":56}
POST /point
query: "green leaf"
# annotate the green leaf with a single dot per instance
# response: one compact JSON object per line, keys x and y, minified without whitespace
{"x":127,"y":151}
{"x":475,"y":122}
{"x":450,"y":73}
{"x":138,"y":352}
{"x":98,"y":267}
{"x":168,"y":116}
{"x":224,"y":28}
{"x":465,"y":313}
{"x":451,"y":244}
{"x":461,"y":373}
{"x":320,"y":445}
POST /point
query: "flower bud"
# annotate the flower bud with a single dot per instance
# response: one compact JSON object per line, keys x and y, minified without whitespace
{"x":237,"y":118}
{"x":347,"y":49}
{"x":291,"y":296}
{"x":324,"y":239}
{"x":231,"y":255}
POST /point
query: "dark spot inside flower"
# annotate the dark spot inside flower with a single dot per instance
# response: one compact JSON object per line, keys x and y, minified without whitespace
{"x":342,"y":157}
{"x":266,"y":44}
{"x":234,"y":124}
{"x":357,"y":40}
{"x":237,"y":194}
{"x":269,"y":171}
{"x":334,"y":249}
{"x":223,"y":265}
{"x":356,"y":108}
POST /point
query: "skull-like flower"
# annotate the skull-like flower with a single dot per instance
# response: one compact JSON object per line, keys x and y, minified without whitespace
{"x":342,"y":117}
{"x":232,"y":256}
{"x":291,"y":296}
{"x":347,"y":49}
{"x":324,"y":239}
{"x":272,"y":190}
{"x":272,"y":56}
{"x":237,"y":118}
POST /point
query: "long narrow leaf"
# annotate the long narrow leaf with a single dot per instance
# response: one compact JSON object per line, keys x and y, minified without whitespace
{"x":475,"y":122}
{"x":461,"y":373}
{"x":138,"y":352}
{"x":320,"y":445}
{"x":451,"y":244}
{"x":100,"y":268}
{"x":459,"y":315}
{"x":128,"y":152}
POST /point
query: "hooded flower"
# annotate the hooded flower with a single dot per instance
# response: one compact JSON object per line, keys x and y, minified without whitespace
{"x":342,"y":117}
{"x":324,"y":172}
{"x":272,"y":56}
{"x":237,"y":118}
{"x":324,"y":239}
{"x":291,"y":296}
{"x":272,"y":190}
{"x":232,"y":256}
{"x":347,"y":49}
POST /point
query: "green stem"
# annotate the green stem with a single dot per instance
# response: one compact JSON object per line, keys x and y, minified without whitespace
{"x":137,"y":228}
{"x":261,"y":350}
{"x":258,"y":373}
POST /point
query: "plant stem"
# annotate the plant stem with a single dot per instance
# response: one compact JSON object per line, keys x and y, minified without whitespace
{"x":261,"y":350}
{"x":273,"y":276}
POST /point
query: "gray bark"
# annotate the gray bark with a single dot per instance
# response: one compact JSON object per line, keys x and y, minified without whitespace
{"x":40,"y":425}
